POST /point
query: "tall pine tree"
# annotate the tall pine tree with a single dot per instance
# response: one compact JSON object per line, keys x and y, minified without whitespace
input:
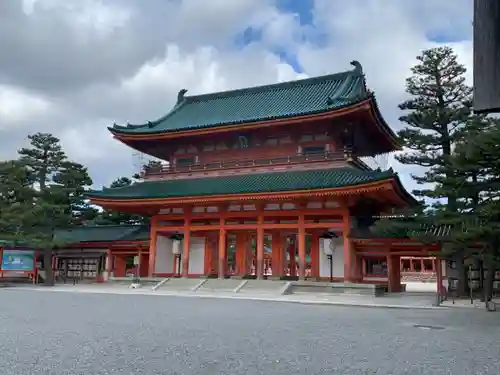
{"x":476,"y":185}
{"x":436,"y":117}
{"x":17,"y":199}
{"x":59,"y":185}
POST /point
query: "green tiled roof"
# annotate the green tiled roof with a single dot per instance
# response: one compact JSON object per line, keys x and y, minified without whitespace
{"x":282,"y":100}
{"x":245,"y":184}
{"x":10,"y":243}
{"x":102,"y":233}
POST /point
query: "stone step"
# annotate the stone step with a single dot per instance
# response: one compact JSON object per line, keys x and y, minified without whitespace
{"x":220,"y":285}
{"x":263,"y":287}
{"x":179,"y":284}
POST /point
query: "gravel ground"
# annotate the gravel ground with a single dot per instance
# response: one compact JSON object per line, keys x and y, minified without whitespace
{"x":74,"y":333}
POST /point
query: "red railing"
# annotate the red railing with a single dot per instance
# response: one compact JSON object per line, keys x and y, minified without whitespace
{"x":245,"y":163}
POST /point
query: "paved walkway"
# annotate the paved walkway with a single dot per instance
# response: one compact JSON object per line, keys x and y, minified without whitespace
{"x":400,"y":301}
{"x":417,"y":300}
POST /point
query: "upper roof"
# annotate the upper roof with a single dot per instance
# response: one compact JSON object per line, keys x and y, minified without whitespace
{"x":102,"y":233}
{"x":245,"y":184}
{"x":269,"y":102}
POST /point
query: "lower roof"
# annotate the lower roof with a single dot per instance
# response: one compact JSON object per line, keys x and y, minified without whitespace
{"x":246,"y":184}
{"x":101,"y":233}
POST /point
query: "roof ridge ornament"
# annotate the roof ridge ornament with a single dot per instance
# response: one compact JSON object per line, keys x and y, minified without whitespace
{"x":181,"y":95}
{"x":358,"y":68}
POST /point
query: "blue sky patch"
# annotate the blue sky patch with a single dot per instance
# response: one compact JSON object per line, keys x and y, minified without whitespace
{"x":303,"y":8}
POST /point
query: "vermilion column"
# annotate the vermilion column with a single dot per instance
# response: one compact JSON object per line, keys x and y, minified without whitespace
{"x":185,"y":252}
{"x":348,"y":261}
{"x":260,"y":248}
{"x":277,"y":253}
{"x":302,"y":248}
{"x":222,"y":249}
{"x":152,"y":249}
{"x":241,"y":249}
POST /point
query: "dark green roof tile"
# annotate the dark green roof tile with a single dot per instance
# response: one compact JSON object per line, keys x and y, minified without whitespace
{"x":245,"y":184}
{"x":101,"y":233}
{"x":282,"y":100}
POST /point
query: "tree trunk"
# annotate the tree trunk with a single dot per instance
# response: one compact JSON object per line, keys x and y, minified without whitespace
{"x":458,"y":257}
{"x":49,"y":272}
{"x":488,"y":282}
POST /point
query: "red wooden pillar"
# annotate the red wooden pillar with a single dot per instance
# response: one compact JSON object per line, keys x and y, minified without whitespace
{"x":260,"y":248}
{"x":393,"y":273}
{"x":277,"y":254}
{"x":120,"y":265}
{"x":222,"y":249}
{"x":143,"y":264}
{"x":348,"y":262}
{"x":152,"y":249}
{"x":214,"y":250}
{"x":241,"y":253}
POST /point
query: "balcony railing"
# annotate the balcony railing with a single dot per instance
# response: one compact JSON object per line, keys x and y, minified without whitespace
{"x":246,"y":163}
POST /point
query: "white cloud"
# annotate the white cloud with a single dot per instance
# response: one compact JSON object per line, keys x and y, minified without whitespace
{"x":199,"y":55}
{"x":86,"y":18}
{"x":18,"y":106}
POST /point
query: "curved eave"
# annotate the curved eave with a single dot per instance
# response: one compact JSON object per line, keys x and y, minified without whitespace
{"x":404,"y":195}
{"x":385,"y":129}
{"x":387,"y":184}
{"x":125,"y":136}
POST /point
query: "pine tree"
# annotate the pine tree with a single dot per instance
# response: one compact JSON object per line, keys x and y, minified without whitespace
{"x":111,"y":217}
{"x":476,"y":186}
{"x":60,"y":185}
{"x":17,"y":199}
{"x":43,"y":158}
{"x":436,"y":113}
{"x":71,"y":183}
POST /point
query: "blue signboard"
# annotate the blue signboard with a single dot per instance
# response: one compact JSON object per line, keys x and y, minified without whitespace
{"x":18,"y":260}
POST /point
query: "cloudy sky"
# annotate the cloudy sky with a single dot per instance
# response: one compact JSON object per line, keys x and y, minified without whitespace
{"x":73,"y":67}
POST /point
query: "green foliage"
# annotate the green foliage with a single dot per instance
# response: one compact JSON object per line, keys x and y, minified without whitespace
{"x":70,"y":184}
{"x":437,"y":117}
{"x":476,"y":186}
{"x":43,"y":158}
{"x":436,"y":113}
{"x":16,"y":201}
{"x":110,"y":217}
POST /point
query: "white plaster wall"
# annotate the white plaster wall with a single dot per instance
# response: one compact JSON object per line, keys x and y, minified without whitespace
{"x":164,"y":262}
{"x":197,"y":256}
{"x":338,"y":260}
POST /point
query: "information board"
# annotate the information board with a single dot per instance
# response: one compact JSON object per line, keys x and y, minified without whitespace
{"x":18,"y":260}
